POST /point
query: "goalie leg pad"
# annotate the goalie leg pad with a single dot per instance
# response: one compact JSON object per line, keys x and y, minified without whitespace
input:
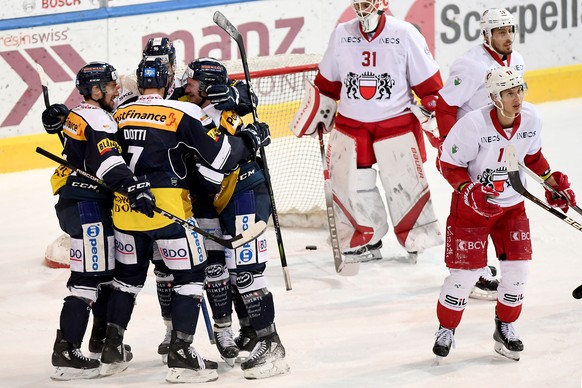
{"x":361,"y":217}
{"x":407,"y":192}
{"x":315,"y":110}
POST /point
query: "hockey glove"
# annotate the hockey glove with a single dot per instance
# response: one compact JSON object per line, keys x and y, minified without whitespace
{"x":565,"y":196}
{"x":140,"y":196}
{"x":54,"y":117}
{"x":256,"y":135}
{"x":223,"y":97}
{"x":475,"y":196}
{"x":426,"y":116}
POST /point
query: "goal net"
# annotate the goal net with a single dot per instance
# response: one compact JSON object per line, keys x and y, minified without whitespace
{"x":294,"y":163}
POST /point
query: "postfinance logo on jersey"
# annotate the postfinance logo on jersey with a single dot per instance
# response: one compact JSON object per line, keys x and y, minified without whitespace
{"x":159,"y":117}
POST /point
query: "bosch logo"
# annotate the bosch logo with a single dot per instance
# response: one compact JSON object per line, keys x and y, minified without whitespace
{"x":245,"y":255}
{"x":244,"y":279}
{"x":93,"y":231}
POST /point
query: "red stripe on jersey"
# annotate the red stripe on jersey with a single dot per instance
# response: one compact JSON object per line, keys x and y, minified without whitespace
{"x":327,"y":87}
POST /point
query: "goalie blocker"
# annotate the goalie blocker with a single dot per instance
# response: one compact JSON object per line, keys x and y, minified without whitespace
{"x":316,"y":111}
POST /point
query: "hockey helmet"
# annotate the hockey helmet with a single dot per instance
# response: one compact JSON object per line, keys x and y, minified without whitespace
{"x":94,"y":73}
{"x":503,"y":78}
{"x":368,"y":11}
{"x":160,"y":48}
{"x":496,"y":18}
{"x":152,"y":73}
{"x":208,"y":71}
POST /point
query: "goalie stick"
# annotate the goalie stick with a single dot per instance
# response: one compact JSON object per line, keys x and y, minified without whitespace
{"x":231,"y":30}
{"x":341,"y":267}
{"x":239,"y":240}
{"x":515,"y":180}
{"x":45,"y":93}
{"x":539,"y":179}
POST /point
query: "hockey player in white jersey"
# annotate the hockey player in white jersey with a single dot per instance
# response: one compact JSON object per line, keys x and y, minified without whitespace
{"x":484,"y":205}
{"x":465,"y":91}
{"x":372,"y":65}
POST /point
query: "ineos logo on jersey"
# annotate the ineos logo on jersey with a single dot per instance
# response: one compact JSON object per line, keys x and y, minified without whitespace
{"x":526,"y":134}
{"x":389,"y":40}
{"x":490,"y":139}
{"x":244,"y":279}
{"x":351,"y":39}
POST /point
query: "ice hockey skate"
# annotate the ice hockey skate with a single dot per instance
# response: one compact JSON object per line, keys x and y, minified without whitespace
{"x":363,"y":254}
{"x":486,"y":286}
{"x":164,"y":346}
{"x":245,"y":342}
{"x":186,"y":365}
{"x":70,"y":363}
{"x":507,"y":342}
{"x":445,"y":340}
{"x":226,"y":344}
{"x":116,"y":356}
{"x":266,"y":360}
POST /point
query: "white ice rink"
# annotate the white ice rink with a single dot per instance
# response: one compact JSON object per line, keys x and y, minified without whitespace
{"x":373,"y":330}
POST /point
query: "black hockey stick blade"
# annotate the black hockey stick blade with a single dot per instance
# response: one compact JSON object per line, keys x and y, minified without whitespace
{"x":45,"y":93}
{"x":221,"y":21}
{"x":516,"y":183}
{"x":239,"y":240}
{"x":577,"y":293}
{"x":539,"y":179}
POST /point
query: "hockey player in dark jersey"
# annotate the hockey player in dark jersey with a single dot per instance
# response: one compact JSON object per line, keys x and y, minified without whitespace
{"x":239,"y":198}
{"x":84,"y":208}
{"x":154,"y":134}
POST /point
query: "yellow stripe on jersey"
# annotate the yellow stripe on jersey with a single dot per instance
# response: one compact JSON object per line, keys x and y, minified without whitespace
{"x":75,"y":126}
{"x":230,"y":121}
{"x":227,"y":186}
{"x":173,"y":200}
{"x":159,"y":117}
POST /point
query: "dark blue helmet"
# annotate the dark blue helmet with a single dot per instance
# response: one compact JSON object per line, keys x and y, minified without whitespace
{"x":160,"y":48}
{"x":208,"y":71}
{"x":94,"y":73}
{"x":152,"y":73}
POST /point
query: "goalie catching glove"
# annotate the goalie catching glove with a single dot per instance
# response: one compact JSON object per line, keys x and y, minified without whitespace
{"x":54,"y":117}
{"x":316,"y":111}
{"x":475,"y":196}
{"x":140,"y":196}
{"x":565,"y":195}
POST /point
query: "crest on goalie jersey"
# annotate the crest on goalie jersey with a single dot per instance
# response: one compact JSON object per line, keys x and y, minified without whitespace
{"x":368,"y":85}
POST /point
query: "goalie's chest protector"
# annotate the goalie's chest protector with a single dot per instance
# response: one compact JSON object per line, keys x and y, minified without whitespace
{"x":479,"y":143}
{"x":377,"y":73}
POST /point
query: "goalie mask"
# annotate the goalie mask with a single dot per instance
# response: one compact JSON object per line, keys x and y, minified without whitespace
{"x":152,"y":74}
{"x":501,"y":79}
{"x":94,"y":73}
{"x":495,"y":18}
{"x":207,"y":71}
{"x":369,"y":12}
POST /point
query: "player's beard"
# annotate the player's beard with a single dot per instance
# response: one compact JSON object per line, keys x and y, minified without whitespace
{"x":499,"y":48}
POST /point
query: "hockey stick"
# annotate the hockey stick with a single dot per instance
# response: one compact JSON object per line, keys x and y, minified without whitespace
{"x":45,"y":94}
{"x":239,"y":240}
{"x":539,"y":179}
{"x":231,"y":30}
{"x":577,"y":293}
{"x":515,"y":180}
{"x":207,"y":321}
{"x":341,"y":267}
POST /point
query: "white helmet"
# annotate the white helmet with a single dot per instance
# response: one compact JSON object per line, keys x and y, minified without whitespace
{"x":368,"y":11}
{"x":495,"y":18}
{"x":502,"y":78}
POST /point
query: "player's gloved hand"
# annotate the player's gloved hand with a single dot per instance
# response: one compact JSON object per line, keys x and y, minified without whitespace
{"x":257,"y":135}
{"x":54,"y":117}
{"x":566,"y":195}
{"x":223,"y":97}
{"x":475,"y":196}
{"x":140,"y":196}
{"x":426,"y":116}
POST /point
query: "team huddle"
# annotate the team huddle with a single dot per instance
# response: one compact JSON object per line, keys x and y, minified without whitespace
{"x":177,"y":142}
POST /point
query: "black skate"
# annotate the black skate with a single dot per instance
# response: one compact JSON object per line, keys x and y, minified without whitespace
{"x":225,"y":344}
{"x":70,"y":363}
{"x":245,"y":341}
{"x":186,"y":365}
{"x":363,"y":254}
{"x":486,"y":286}
{"x":507,"y":341}
{"x":445,"y":340}
{"x":116,"y":356}
{"x":164,"y":346}
{"x":266,"y":360}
